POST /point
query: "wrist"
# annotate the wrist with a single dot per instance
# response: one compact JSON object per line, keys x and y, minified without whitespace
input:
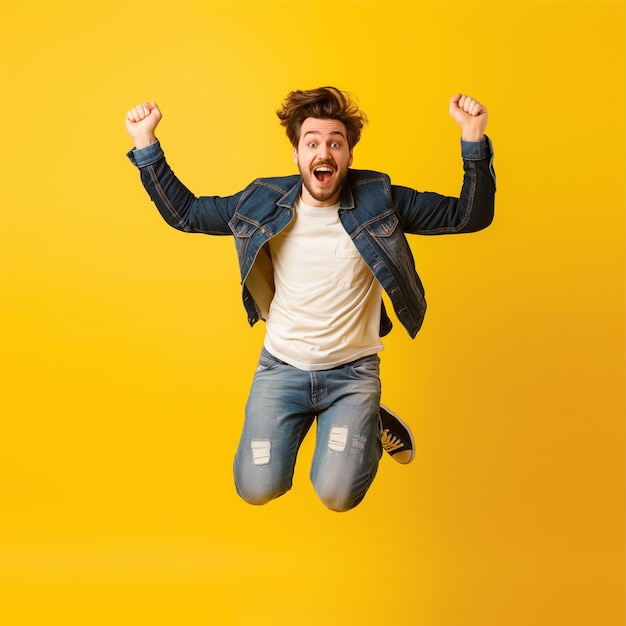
{"x":144,"y":141}
{"x":472,"y":136}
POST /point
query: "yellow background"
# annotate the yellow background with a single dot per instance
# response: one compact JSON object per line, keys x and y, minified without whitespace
{"x":126,"y":355}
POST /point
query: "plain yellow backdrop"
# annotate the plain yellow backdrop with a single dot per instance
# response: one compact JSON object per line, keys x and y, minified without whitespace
{"x":126,"y":356}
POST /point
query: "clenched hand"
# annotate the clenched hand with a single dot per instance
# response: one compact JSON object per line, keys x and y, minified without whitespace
{"x":470,"y":115}
{"x":141,"y":122}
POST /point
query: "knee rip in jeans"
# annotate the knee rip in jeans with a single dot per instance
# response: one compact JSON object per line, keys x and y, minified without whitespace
{"x":261,"y":451}
{"x":338,"y":439}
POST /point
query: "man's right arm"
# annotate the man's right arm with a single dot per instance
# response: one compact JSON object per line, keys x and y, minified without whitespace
{"x":178,"y":206}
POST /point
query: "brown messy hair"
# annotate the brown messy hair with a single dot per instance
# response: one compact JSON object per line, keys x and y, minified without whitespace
{"x":322,"y":103}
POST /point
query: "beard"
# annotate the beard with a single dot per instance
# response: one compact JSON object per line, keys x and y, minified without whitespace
{"x":319,"y":192}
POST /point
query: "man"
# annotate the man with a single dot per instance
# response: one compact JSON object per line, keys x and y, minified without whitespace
{"x":316,"y":251}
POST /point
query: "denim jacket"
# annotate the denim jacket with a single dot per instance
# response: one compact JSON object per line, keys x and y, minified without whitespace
{"x":375,"y":213}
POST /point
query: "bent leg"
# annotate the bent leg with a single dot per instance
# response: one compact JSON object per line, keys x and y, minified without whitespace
{"x":348,"y":446}
{"x":277,"y":419}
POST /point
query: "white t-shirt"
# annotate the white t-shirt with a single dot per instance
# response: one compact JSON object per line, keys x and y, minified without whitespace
{"x":326,"y":306}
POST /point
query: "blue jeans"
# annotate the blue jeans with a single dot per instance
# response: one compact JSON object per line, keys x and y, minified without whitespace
{"x":283,"y":403}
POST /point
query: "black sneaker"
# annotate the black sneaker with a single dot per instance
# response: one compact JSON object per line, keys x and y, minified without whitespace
{"x":396,"y":437}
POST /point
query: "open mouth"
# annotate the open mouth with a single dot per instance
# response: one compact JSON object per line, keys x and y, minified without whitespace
{"x":323,"y":173}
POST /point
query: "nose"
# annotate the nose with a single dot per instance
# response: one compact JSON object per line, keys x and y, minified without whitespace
{"x":324,"y":151}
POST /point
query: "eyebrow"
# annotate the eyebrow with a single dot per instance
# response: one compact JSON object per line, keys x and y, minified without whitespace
{"x":317,"y":132}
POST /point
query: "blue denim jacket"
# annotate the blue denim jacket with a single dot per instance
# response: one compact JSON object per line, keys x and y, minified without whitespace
{"x":375,"y":213}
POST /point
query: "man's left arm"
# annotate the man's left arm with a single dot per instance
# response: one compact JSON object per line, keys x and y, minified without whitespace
{"x":430,"y":213}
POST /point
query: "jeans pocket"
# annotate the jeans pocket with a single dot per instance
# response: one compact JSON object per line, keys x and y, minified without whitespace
{"x":367,"y":367}
{"x":266,"y":361}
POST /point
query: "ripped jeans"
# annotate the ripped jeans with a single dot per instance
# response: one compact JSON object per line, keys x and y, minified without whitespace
{"x":283,"y":403}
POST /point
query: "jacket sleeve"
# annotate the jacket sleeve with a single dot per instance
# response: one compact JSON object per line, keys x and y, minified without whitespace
{"x":180,"y":208}
{"x":428,"y":213}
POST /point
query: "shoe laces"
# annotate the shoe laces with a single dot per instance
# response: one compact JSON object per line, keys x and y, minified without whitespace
{"x":390,"y":442}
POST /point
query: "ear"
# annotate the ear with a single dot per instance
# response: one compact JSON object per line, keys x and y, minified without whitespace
{"x":295,"y":156}
{"x":350,"y":160}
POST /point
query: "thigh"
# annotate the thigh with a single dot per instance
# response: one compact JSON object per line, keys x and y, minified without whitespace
{"x":348,"y":447}
{"x":278,"y":416}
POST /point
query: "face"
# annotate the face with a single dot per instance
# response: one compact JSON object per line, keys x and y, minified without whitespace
{"x":323,"y":158}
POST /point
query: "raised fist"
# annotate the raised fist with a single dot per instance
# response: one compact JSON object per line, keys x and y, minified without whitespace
{"x":470,"y":115}
{"x":141,"y":121}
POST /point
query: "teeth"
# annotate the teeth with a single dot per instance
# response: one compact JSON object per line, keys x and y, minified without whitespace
{"x":323,"y":168}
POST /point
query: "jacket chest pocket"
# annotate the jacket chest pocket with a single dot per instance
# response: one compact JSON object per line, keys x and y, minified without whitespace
{"x":387,"y":234}
{"x":244,"y":232}
{"x":384,"y":227}
{"x":390,"y":238}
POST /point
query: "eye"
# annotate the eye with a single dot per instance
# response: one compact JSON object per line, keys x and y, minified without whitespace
{"x":312,"y":144}
{"x":335,"y":144}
